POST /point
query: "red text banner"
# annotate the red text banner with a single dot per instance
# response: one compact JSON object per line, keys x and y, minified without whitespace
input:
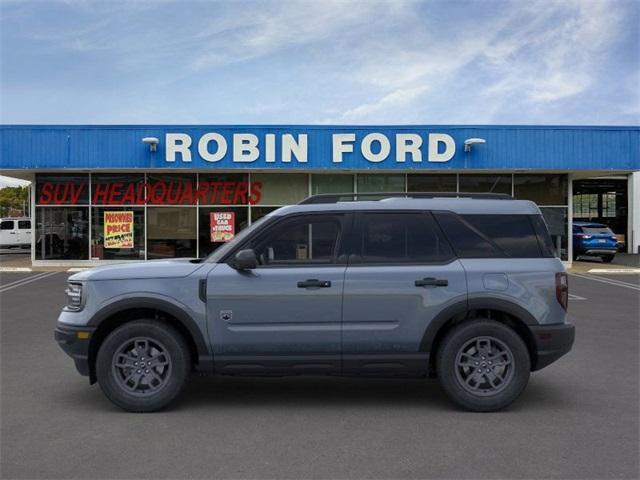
{"x":154,"y":193}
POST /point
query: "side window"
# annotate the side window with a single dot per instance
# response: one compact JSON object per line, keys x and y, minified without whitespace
{"x":514,"y":234}
{"x":24,"y":224}
{"x":6,"y":225}
{"x":305,"y":240}
{"x":466,"y":241}
{"x":401,"y":238}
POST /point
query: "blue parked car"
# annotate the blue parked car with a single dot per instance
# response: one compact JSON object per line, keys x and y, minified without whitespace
{"x":594,"y":239}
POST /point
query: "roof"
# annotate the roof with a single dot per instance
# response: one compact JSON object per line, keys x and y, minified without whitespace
{"x":457,"y":205}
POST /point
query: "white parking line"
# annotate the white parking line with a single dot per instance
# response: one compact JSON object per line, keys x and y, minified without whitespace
{"x":20,"y":280}
{"x":575,"y":297}
{"x":608,"y":281}
{"x":24,"y":281}
{"x":620,"y":282}
{"x":614,"y":270}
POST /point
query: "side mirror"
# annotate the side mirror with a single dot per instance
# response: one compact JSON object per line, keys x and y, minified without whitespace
{"x":245,"y":260}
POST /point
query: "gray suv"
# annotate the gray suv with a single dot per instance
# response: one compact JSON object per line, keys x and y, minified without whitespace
{"x":464,"y":287}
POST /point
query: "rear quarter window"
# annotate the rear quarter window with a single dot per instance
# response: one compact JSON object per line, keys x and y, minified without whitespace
{"x":514,"y":234}
{"x":496,"y":236}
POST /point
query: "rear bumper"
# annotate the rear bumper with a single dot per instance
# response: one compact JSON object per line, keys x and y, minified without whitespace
{"x":75,"y":345}
{"x":552,"y":342}
{"x":601,"y":250}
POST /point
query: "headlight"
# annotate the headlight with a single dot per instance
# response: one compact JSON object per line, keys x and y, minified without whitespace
{"x":74,"y":296}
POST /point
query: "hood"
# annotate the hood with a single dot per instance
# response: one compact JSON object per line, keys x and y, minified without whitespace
{"x":173,"y":268}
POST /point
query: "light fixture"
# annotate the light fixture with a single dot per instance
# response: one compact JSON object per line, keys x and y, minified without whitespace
{"x":473,"y":141}
{"x":152,"y":142}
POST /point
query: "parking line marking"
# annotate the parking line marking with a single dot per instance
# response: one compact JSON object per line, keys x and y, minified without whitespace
{"x":33,"y":278}
{"x":15,"y":269}
{"x":615,"y":283}
{"x":575,"y":297}
{"x":614,"y":270}
{"x":620,"y":282}
{"x":20,"y":280}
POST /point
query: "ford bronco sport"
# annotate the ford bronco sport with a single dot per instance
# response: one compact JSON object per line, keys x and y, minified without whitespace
{"x":465,"y":287}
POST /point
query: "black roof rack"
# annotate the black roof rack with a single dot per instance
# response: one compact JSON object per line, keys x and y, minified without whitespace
{"x":354,"y":197}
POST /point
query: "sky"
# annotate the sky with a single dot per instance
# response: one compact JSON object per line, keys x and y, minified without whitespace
{"x":320,"y":62}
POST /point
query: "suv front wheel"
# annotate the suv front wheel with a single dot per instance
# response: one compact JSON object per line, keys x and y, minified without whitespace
{"x":483,"y":365}
{"x":143,"y":365}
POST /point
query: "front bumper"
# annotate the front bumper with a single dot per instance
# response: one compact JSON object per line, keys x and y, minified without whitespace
{"x":75,"y":343}
{"x":552,"y":342}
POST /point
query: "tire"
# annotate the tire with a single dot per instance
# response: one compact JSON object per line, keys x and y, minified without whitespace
{"x":129,"y":379}
{"x":608,"y":258}
{"x":482,"y":392}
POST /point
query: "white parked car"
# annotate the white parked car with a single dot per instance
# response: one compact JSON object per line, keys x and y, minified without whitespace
{"x":15,"y":232}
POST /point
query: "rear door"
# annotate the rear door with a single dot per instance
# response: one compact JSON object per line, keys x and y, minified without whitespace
{"x":401,"y":275}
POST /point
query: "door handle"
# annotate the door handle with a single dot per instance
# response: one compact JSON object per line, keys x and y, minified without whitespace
{"x":314,"y":282}
{"x":432,"y":282}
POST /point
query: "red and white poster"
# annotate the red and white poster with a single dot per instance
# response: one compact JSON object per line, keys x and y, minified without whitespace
{"x":223,"y":226}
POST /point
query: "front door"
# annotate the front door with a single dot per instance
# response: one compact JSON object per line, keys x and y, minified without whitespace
{"x":283,"y":316}
{"x":402,"y":275}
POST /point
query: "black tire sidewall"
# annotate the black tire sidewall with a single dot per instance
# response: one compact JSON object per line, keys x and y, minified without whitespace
{"x":177,"y":349}
{"x":445,"y":365}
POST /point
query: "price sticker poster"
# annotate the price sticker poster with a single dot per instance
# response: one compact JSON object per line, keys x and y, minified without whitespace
{"x":118,"y":229}
{"x":223,"y":226}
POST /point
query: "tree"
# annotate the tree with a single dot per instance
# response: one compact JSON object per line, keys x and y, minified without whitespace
{"x":14,"y":200}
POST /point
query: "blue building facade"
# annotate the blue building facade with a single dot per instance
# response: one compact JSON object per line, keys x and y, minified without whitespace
{"x":174,"y":182}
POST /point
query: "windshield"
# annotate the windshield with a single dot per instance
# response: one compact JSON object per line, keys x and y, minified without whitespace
{"x":597,"y":230}
{"x":217,"y":254}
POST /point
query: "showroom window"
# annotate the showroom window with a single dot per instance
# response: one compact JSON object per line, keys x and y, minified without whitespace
{"x":62,"y":189}
{"x":543,"y":189}
{"x":281,"y":188}
{"x":381,"y":183}
{"x":432,"y":183}
{"x":171,"y":189}
{"x":62,"y":233}
{"x":171,"y":232}
{"x":117,"y":189}
{"x":481,"y":183}
{"x":331,"y":183}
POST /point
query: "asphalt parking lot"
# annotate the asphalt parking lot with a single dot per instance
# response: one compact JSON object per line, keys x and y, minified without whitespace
{"x":578,"y":418}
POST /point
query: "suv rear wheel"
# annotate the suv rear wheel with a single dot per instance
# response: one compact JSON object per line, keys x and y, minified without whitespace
{"x":483,"y":365}
{"x":143,"y":365}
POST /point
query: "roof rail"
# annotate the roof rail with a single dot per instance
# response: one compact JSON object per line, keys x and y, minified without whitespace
{"x":354,"y":197}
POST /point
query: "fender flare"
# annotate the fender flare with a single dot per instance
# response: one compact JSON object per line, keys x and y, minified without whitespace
{"x":172,"y":309}
{"x":465,"y":306}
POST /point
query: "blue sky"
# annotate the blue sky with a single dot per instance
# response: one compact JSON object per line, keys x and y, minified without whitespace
{"x":321,"y":62}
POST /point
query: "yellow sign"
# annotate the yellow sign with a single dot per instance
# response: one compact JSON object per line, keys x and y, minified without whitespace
{"x":118,"y":229}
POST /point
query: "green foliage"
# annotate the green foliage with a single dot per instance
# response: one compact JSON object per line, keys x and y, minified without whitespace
{"x":14,"y":201}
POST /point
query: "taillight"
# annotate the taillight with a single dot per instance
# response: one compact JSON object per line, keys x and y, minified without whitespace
{"x":562,"y":289}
